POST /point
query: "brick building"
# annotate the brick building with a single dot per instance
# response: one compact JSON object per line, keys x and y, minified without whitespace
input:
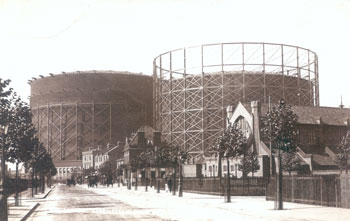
{"x":320,"y":131}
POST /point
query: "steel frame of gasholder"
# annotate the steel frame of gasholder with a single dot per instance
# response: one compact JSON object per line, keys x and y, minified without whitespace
{"x":68,"y":129}
{"x":191,"y":91}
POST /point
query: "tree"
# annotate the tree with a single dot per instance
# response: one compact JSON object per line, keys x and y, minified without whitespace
{"x":20,"y":132}
{"x":5,"y":114}
{"x":135,"y":165}
{"x":279,"y":126}
{"x":89,"y":171}
{"x":108,"y":168}
{"x":38,"y":160}
{"x":231,"y":143}
{"x":344,"y":151}
{"x":182,"y":158}
{"x":160,"y":158}
{"x":290,"y":162}
{"x":119,"y":172}
{"x":177,"y":158}
{"x":249,"y":163}
{"x":145,"y":159}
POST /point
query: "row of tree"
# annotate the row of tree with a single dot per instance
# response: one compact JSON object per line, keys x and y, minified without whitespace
{"x":18,"y":139}
{"x":161,"y":156}
{"x":278,"y":127}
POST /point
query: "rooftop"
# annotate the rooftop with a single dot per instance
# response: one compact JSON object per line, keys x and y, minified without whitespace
{"x":312,"y":115}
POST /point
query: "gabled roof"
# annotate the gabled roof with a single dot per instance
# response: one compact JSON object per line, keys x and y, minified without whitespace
{"x":323,"y":160}
{"x":312,"y":115}
{"x":148,"y":134}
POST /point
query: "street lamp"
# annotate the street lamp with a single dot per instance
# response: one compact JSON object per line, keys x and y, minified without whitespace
{"x":3,"y":200}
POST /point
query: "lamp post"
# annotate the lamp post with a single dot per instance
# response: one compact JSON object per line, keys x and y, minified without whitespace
{"x":279,"y":179}
{"x":3,"y":200}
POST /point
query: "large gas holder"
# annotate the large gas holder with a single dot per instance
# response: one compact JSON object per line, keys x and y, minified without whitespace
{"x":75,"y":111}
{"x":193,"y":86}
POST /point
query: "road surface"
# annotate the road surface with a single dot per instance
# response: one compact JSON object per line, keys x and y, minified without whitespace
{"x":77,"y":203}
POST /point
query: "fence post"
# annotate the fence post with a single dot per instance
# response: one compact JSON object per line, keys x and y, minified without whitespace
{"x":321,"y":190}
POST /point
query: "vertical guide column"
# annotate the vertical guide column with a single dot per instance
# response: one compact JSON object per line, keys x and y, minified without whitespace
{"x":316,"y":98}
{"x":282,"y":70}
{"x":223,"y":117}
{"x":311,"y":102}
{"x":77,"y":153}
{"x":185,"y":106}
{"x":298,"y":79}
{"x":202,"y":98}
{"x":243,"y":71}
{"x":264,"y":73}
{"x":171,"y":97}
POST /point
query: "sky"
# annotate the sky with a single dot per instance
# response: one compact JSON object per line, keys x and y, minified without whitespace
{"x":39,"y":37}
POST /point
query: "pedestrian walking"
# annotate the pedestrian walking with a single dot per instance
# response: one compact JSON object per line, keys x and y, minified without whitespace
{"x":170,"y":184}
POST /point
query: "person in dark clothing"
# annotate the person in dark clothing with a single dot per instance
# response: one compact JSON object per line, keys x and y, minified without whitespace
{"x":170,"y":184}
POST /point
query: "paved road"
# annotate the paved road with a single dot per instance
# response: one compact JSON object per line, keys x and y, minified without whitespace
{"x":77,"y":203}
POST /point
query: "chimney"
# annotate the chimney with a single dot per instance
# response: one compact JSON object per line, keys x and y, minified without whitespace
{"x":229,"y":111}
{"x":156,"y":138}
{"x":256,"y":113}
{"x":141,"y":139}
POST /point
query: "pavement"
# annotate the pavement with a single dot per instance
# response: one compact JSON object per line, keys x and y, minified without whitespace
{"x":194,"y":206}
{"x":27,"y":205}
{"x":191,"y":207}
{"x":79,"y":203}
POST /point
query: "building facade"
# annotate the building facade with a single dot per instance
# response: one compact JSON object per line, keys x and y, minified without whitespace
{"x":67,"y":170}
{"x":320,"y":132}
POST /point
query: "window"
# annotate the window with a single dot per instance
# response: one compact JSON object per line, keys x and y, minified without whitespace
{"x":232,"y":167}
{"x":210,"y":169}
{"x":225,"y":168}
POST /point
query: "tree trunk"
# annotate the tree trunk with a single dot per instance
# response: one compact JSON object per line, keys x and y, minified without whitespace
{"x":174,"y":182}
{"x":220,"y":176}
{"x":36,"y":181}
{"x":43,"y":190}
{"x":180,"y":180}
{"x":146,"y":180}
{"x":16,"y":187}
{"x":3,"y":196}
{"x":228,"y":182}
{"x":33,"y":182}
{"x":280,"y":182}
{"x":346,"y":163}
{"x":158,"y":181}
{"x":136,"y":179}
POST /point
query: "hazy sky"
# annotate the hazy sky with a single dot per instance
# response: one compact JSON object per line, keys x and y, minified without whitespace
{"x":44,"y":36}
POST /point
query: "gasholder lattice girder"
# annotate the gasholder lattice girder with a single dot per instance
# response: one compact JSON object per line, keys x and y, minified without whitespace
{"x":75,"y":111}
{"x":193,"y":86}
